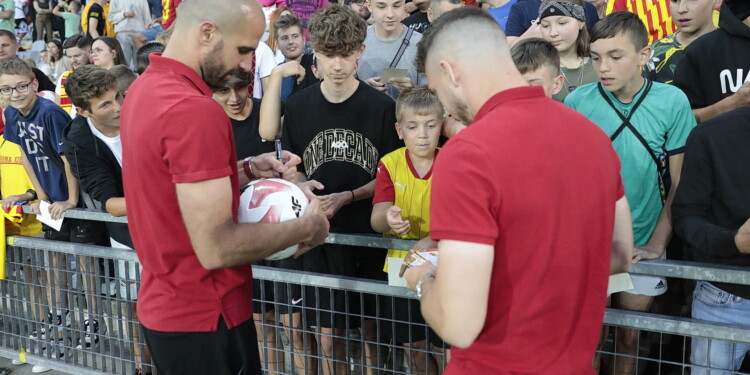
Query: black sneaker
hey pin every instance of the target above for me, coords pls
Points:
(48, 325)
(92, 331)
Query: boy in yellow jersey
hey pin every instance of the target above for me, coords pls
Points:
(401, 207)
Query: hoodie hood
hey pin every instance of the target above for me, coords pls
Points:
(729, 21)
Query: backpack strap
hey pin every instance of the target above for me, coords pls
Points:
(402, 48)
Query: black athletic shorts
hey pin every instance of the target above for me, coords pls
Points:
(285, 298)
(337, 308)
(79, 231)
(224, 352)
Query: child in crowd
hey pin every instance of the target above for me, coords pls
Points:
(694, 18)
(401, 207)
(643, 118)
(563, 24)
(539, 63)
(36, 124)
(340, 127)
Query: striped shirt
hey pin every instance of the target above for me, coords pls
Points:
(654, 14)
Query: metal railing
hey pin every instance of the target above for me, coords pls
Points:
(46, 275)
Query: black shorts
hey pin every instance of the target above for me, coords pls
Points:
(285, 298)
(224, 352)
(337, 308)
(402, 321)
(79, 231)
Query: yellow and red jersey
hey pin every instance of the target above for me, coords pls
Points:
(654, 14)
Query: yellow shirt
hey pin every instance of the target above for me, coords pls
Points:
(410, 192)
(14, 181)
(109, 29)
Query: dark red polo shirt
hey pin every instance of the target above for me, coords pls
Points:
(539, 182)
(174, 132)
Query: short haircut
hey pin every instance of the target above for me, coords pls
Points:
(87, 82)
(76, 4)
(621, 22)
(141, 57)
(9, 35)
(420, 100)
(125, 77)
(436, 3)
(115, 45)
(336, 29)
(463, 16)
(240, 79)
(531, 54)
(284, 22)
(14, 66)
(81, 41)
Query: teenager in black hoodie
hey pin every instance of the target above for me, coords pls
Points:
(92, 144)
(715, 73)
(711, 212)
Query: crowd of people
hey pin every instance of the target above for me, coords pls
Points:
(567, 140)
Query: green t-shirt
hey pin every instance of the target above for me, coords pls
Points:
(664, 119)
(9, 23)
(72, 24)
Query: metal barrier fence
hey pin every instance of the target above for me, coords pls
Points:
(92, 286)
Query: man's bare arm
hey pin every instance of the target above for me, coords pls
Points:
(622, 238)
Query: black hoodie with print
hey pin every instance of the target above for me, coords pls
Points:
(717, 64)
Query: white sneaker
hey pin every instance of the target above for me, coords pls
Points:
(16, 362)
(39, 369)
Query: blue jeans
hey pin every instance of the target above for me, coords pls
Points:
(713, 304)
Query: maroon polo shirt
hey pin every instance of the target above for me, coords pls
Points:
(174, 132)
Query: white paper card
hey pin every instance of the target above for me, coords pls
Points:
(389, 73)
(619, 282)
(47, 219)
(394, 267)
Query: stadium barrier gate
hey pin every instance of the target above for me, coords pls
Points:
(86, 281)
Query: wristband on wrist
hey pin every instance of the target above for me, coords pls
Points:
(352, 191)
(421, 281)
(33, 194)
(248, 167)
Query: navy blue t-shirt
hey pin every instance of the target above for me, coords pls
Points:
(42, 127)
(525, 11)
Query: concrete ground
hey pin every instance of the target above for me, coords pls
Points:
(7, 368)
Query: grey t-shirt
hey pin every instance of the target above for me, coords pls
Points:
(379, 54)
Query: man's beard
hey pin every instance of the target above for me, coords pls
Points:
(213, 71)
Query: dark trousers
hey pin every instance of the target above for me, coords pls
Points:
(224, 352)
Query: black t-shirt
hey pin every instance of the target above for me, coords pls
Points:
(247, 140)
(417, 21)
(341, 144)
(44, 82)
(97, 12)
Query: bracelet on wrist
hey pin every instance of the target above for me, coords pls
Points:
(421, 281)
(33, 194)
(247, 167)
(352, 191)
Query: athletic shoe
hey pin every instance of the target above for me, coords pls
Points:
(39, 369)
(92, 330)
(16, 362)
(48, 326)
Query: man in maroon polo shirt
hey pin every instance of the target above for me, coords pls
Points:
(181, 183)
(527, 206)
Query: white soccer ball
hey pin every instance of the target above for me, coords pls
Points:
(272, 201)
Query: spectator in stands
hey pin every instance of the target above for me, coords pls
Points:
(471, 302)
(70, 12)
(125, 77)
(304, 9)
(107, 52)
(244, 114)
(523, 20)
(158, 25)
(265, 61)
(341, 127)
(539, 63)
(562, 24)
(96, 19)
(59, 61)
(404, 212)
(291, 43)
(418, 21)
(43, 23)
(272, 39)
(713, 73)
(44, 64)
(9, 49)
(499, 10)
(129, 17)
(197, 269)
(648, 119)
(390, 44)
(7, 14)
(92, 144)
(653, 13)
(142, 60)
(694, 19)
(78, 50)
(711, 212)
(20, 16)
(361, 7)
(36, 124)
(438, 7)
